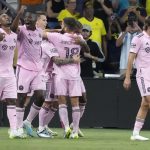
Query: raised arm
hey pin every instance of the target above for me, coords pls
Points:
(15, 22)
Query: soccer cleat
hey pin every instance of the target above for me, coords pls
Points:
(44, 134)
(67, 133)
(53, 133)
(74, 136)
(13, 134)
(27, 126)
(21, 133)
(80, 133)
(138, 138)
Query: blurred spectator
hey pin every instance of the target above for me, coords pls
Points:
(113, 58)
(103, 9)
(13, 4)
(140, 12)
(97, 25)
(124, 40)
(88, 65)
(146, 4)
(53, 9)
(119, 5)
(37, 6)
(69, 11)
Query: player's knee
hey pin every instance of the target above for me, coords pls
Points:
(47, 104)
(145, 105)
(55, 104)
(39, 98)
(11, 101)
(21, 100)
(83, 99)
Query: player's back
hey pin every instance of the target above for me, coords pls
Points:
(66, 49)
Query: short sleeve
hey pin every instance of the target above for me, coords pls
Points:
(135, 44)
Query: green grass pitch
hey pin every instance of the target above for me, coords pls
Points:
(95, 139)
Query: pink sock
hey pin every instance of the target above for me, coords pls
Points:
(11, 114)
(43, 113)
(63, 113)
(34, 110)
(82, 109)
(19, 115)
(50, 116)
(138, 126)
(75, 118)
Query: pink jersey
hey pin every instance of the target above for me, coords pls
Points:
(66, 49)
(29, 55)
(7, 47)
(141, 46)
(48, 51)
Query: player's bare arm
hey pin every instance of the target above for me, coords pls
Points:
(60, 61)
(127, 81)
(15, 22)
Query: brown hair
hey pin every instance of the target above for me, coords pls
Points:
(147, 23)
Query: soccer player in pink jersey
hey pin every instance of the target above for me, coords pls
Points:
(140, 52)
(8, 87)
(49, 55)
(29, 65)
(67, 79)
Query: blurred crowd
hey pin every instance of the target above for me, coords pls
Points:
(108, 27)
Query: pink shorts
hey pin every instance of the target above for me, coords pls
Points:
(50, 95)
(8, 88)
(83, 90)
(65, 87)
(28, 81)
(143, 81)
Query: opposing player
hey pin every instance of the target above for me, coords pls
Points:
(8, 87)
(140, 52)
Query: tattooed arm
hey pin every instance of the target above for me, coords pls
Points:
(60, 61)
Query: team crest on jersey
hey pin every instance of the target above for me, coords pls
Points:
(4, 47)
(30, 41)
(21, 87)
(147, 49)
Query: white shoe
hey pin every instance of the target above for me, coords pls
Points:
(80, 133)
(21, 133)
(44, 134)
(28, 127)
(139, 138)
(74, 136)
(13, 134)
(67, 133)
(53, 133)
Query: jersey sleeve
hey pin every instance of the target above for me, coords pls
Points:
(135, 44)
(51, 51)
